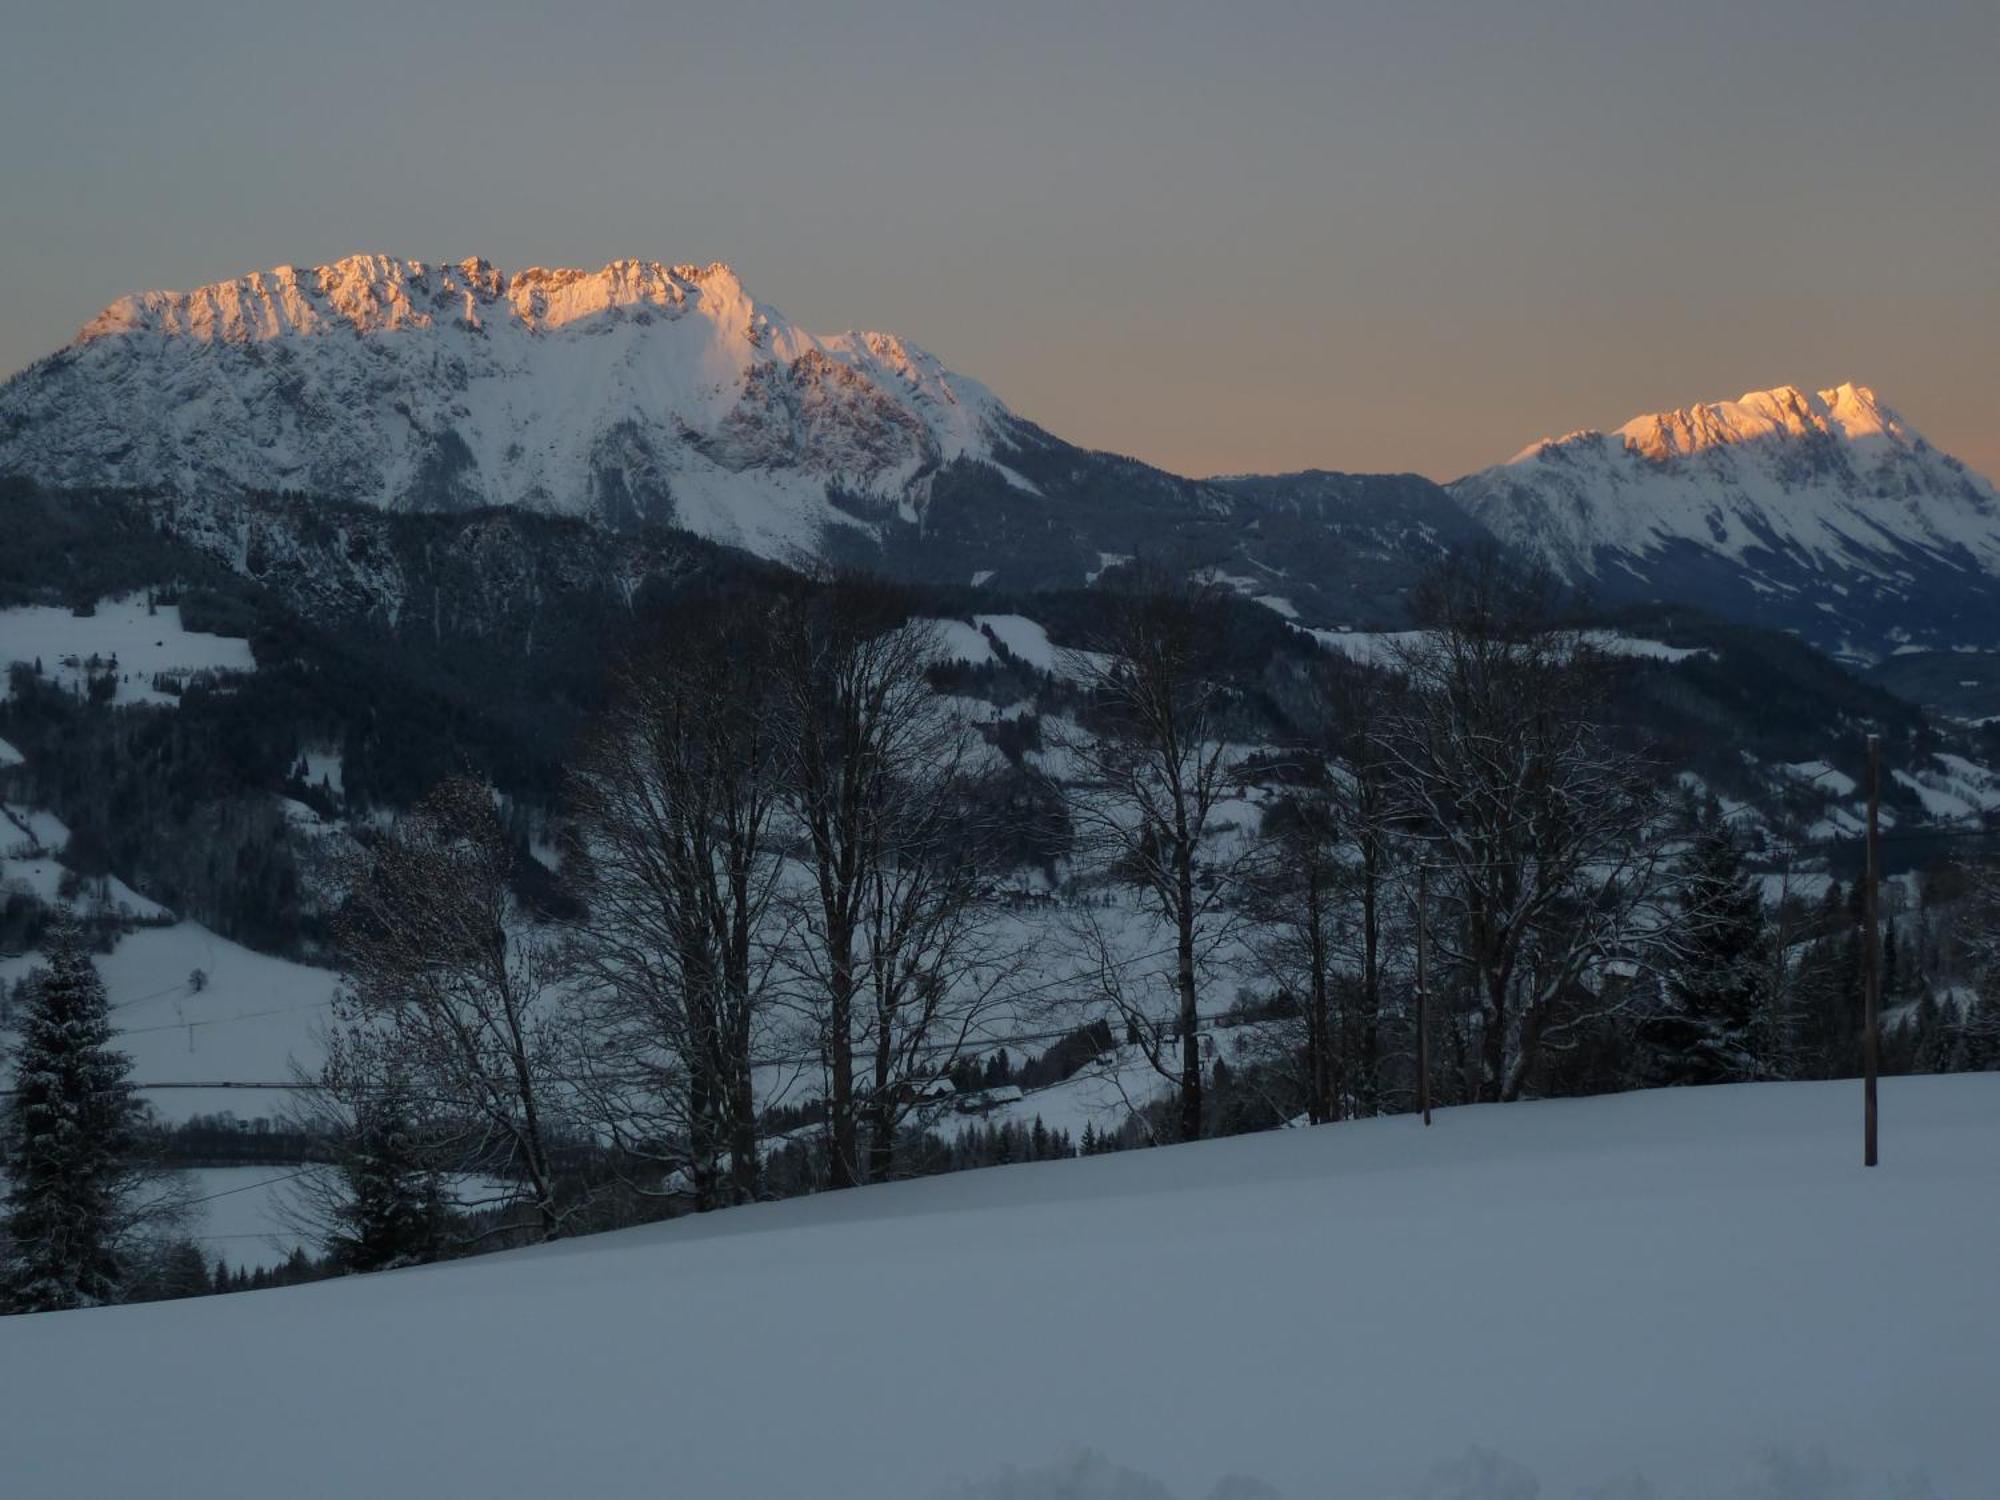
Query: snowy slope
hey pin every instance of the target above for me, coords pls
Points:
(242, 1218)
(1827, 513)
(123, 638)
(643, 392)
(639, 391)
(250, 1018)
(1663, 1284)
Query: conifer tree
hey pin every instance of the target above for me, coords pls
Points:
(395, 1215)
(1715, 991)
(70, 1126)
(1979, 1047)
(1939, 1030)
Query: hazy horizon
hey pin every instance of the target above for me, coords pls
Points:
(1281, 238)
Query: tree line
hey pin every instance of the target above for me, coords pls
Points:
(787, 928)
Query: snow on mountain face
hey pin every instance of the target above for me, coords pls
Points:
(1825, 513)
(636, 392)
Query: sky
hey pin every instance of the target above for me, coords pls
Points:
(1222, 238)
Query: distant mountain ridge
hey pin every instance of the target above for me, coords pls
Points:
(645, 393)
(1825, 513)
(638, 392)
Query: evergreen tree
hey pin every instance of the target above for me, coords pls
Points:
(1939, 1030)
(1706, 1031)
(70, 1122)
(395, 1214)
(1979, 1047)
(177, 1270)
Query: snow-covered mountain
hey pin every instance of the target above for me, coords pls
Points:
(646, 392)
(1824, 513)
(639, 391)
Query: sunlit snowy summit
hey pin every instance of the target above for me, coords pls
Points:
(651, 394)
(1767, 508)
(640, 391)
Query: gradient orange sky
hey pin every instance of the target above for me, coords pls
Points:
(1222, 238)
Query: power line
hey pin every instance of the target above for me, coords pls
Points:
(248, 1187)
(249, 1015)
(172, 989)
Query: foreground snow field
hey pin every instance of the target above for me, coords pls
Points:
(1693, 1286)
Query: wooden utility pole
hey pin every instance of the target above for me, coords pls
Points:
(1871, 1026)
(1423, 996)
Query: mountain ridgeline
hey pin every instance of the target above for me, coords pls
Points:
(645, 397)
(1826, 514)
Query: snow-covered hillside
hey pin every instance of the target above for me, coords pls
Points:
(142, 648)
(191, 1007)
(1702, 1287)
(639, 391)
(1826, 513)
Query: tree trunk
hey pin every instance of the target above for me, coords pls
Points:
(1320, 1025)
(541, 1175)
(881, 1109)
(742, 1128)
(741, 1105)
(1367, 1085)
(701, 1126)
(1493, 1042)
(842, 1133)
(1532, 1021)
(1190, 1018)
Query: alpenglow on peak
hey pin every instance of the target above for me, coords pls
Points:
(1751, 507)
(642, 391)
(379, 293)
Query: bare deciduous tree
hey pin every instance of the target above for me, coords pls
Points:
(675, 792)
(1326, 924)
(895, 957)
(450, 987)
(1543, 840)
(936, 961)
(1151, 780)
(1299, 910)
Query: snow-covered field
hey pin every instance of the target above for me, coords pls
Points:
(1380, 648)
(30, 840)
(1026, 641)
(144, 644)
(242, 1217)
(246, 1019)
(1703, 1287)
